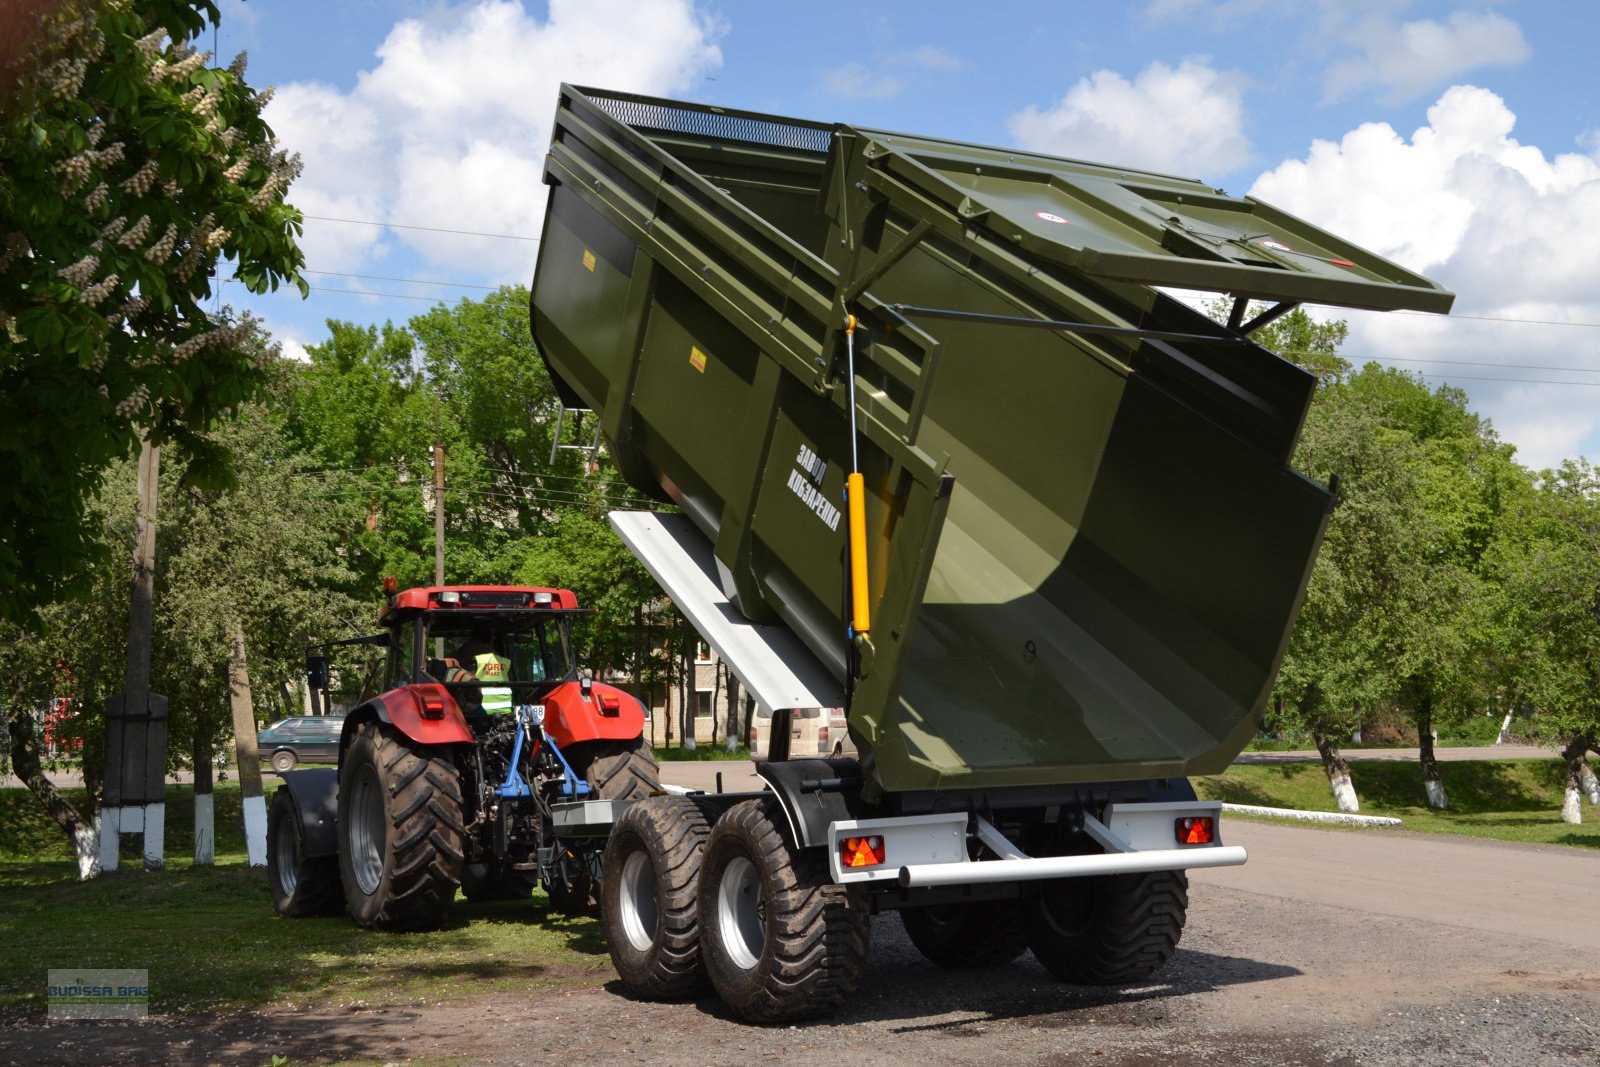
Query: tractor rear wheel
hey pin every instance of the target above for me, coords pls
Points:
(651, 875)
(1108, 929)
(781, 941)
(400, 830)
(299, 886)
(981, 934)
(614, 770)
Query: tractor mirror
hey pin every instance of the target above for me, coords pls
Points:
(317, 671)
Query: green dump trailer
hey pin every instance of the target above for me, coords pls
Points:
(1066, 574)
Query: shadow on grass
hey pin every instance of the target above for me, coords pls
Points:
(210, 939)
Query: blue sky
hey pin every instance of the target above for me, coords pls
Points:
(1462, 139)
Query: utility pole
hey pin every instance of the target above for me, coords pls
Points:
(136, 718)
(438, 497)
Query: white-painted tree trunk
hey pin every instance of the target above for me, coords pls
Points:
(1572, 806)
(155, 836)
(1344, 792)
(1589, 783)
(205, 840)
(255, 831)
(1436, 796)
(86, 839)
(110, 838)
(1505, 730)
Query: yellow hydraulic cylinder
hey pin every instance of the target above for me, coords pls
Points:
(856, 498)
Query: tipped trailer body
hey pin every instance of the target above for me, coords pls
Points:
(947, 454)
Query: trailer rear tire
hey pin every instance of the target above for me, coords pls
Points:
(650, 889)
(400, 831)
(300, 887)
(1109, 929)
(965, 935)
(780, 941)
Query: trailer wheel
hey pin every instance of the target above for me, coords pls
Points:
(300, 887)
(780, 941)
(1109, 929)
(963, 935)
(614, 770)
(650, 882)
(400, 831)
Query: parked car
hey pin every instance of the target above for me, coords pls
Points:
(301, 738)
(812, 732)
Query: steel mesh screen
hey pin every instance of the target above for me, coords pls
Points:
(650, 116)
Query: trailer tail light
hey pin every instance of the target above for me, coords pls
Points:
(862, 851)
(432, 708)
(1196, 830)
(610, 706)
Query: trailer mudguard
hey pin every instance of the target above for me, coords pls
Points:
(607, 713)
(316, 802)
(814, 793)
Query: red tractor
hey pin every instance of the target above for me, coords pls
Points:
(487, 764)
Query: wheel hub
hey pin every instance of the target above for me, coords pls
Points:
(741, 913)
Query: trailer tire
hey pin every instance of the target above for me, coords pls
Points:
(780, 940)
(400, 830)
(967, 934)
(650, 888)
(1109, 929)
(300, 887)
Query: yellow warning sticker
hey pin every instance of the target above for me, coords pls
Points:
(588, 260)
(697, 359)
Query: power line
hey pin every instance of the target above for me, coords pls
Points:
(385, 296)
(407, 281)
(429, 229)
(1498, 318)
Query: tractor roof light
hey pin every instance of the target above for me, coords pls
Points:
(543, 599)
(862, 851)
(450, 596)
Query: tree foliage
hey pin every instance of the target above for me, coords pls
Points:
(130, 166)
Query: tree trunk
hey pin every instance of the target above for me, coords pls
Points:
(1571, 802)
(205, 850)
(1432, 783)
(735, 739)
(81, 832)
(1333, 761)
(1590, 784)
(244, 744)
(689, 689)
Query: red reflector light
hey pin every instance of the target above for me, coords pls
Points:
(432, 708)
(862, 851)
(1197, 830)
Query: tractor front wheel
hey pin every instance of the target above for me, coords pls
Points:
(400, 830)
(299, 886)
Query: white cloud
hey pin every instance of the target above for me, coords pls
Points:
(1401, 60)
(450, 128)
(1505, 226)
(1188, 119)
(890, 73)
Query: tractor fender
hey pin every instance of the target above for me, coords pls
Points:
(607, 713)
(411, 710)
(316, 802)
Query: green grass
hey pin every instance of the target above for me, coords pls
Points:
(210, 938)
(1508, 800)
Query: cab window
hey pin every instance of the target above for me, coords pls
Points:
(402, 655)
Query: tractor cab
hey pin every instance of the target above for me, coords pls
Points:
(493, 648)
